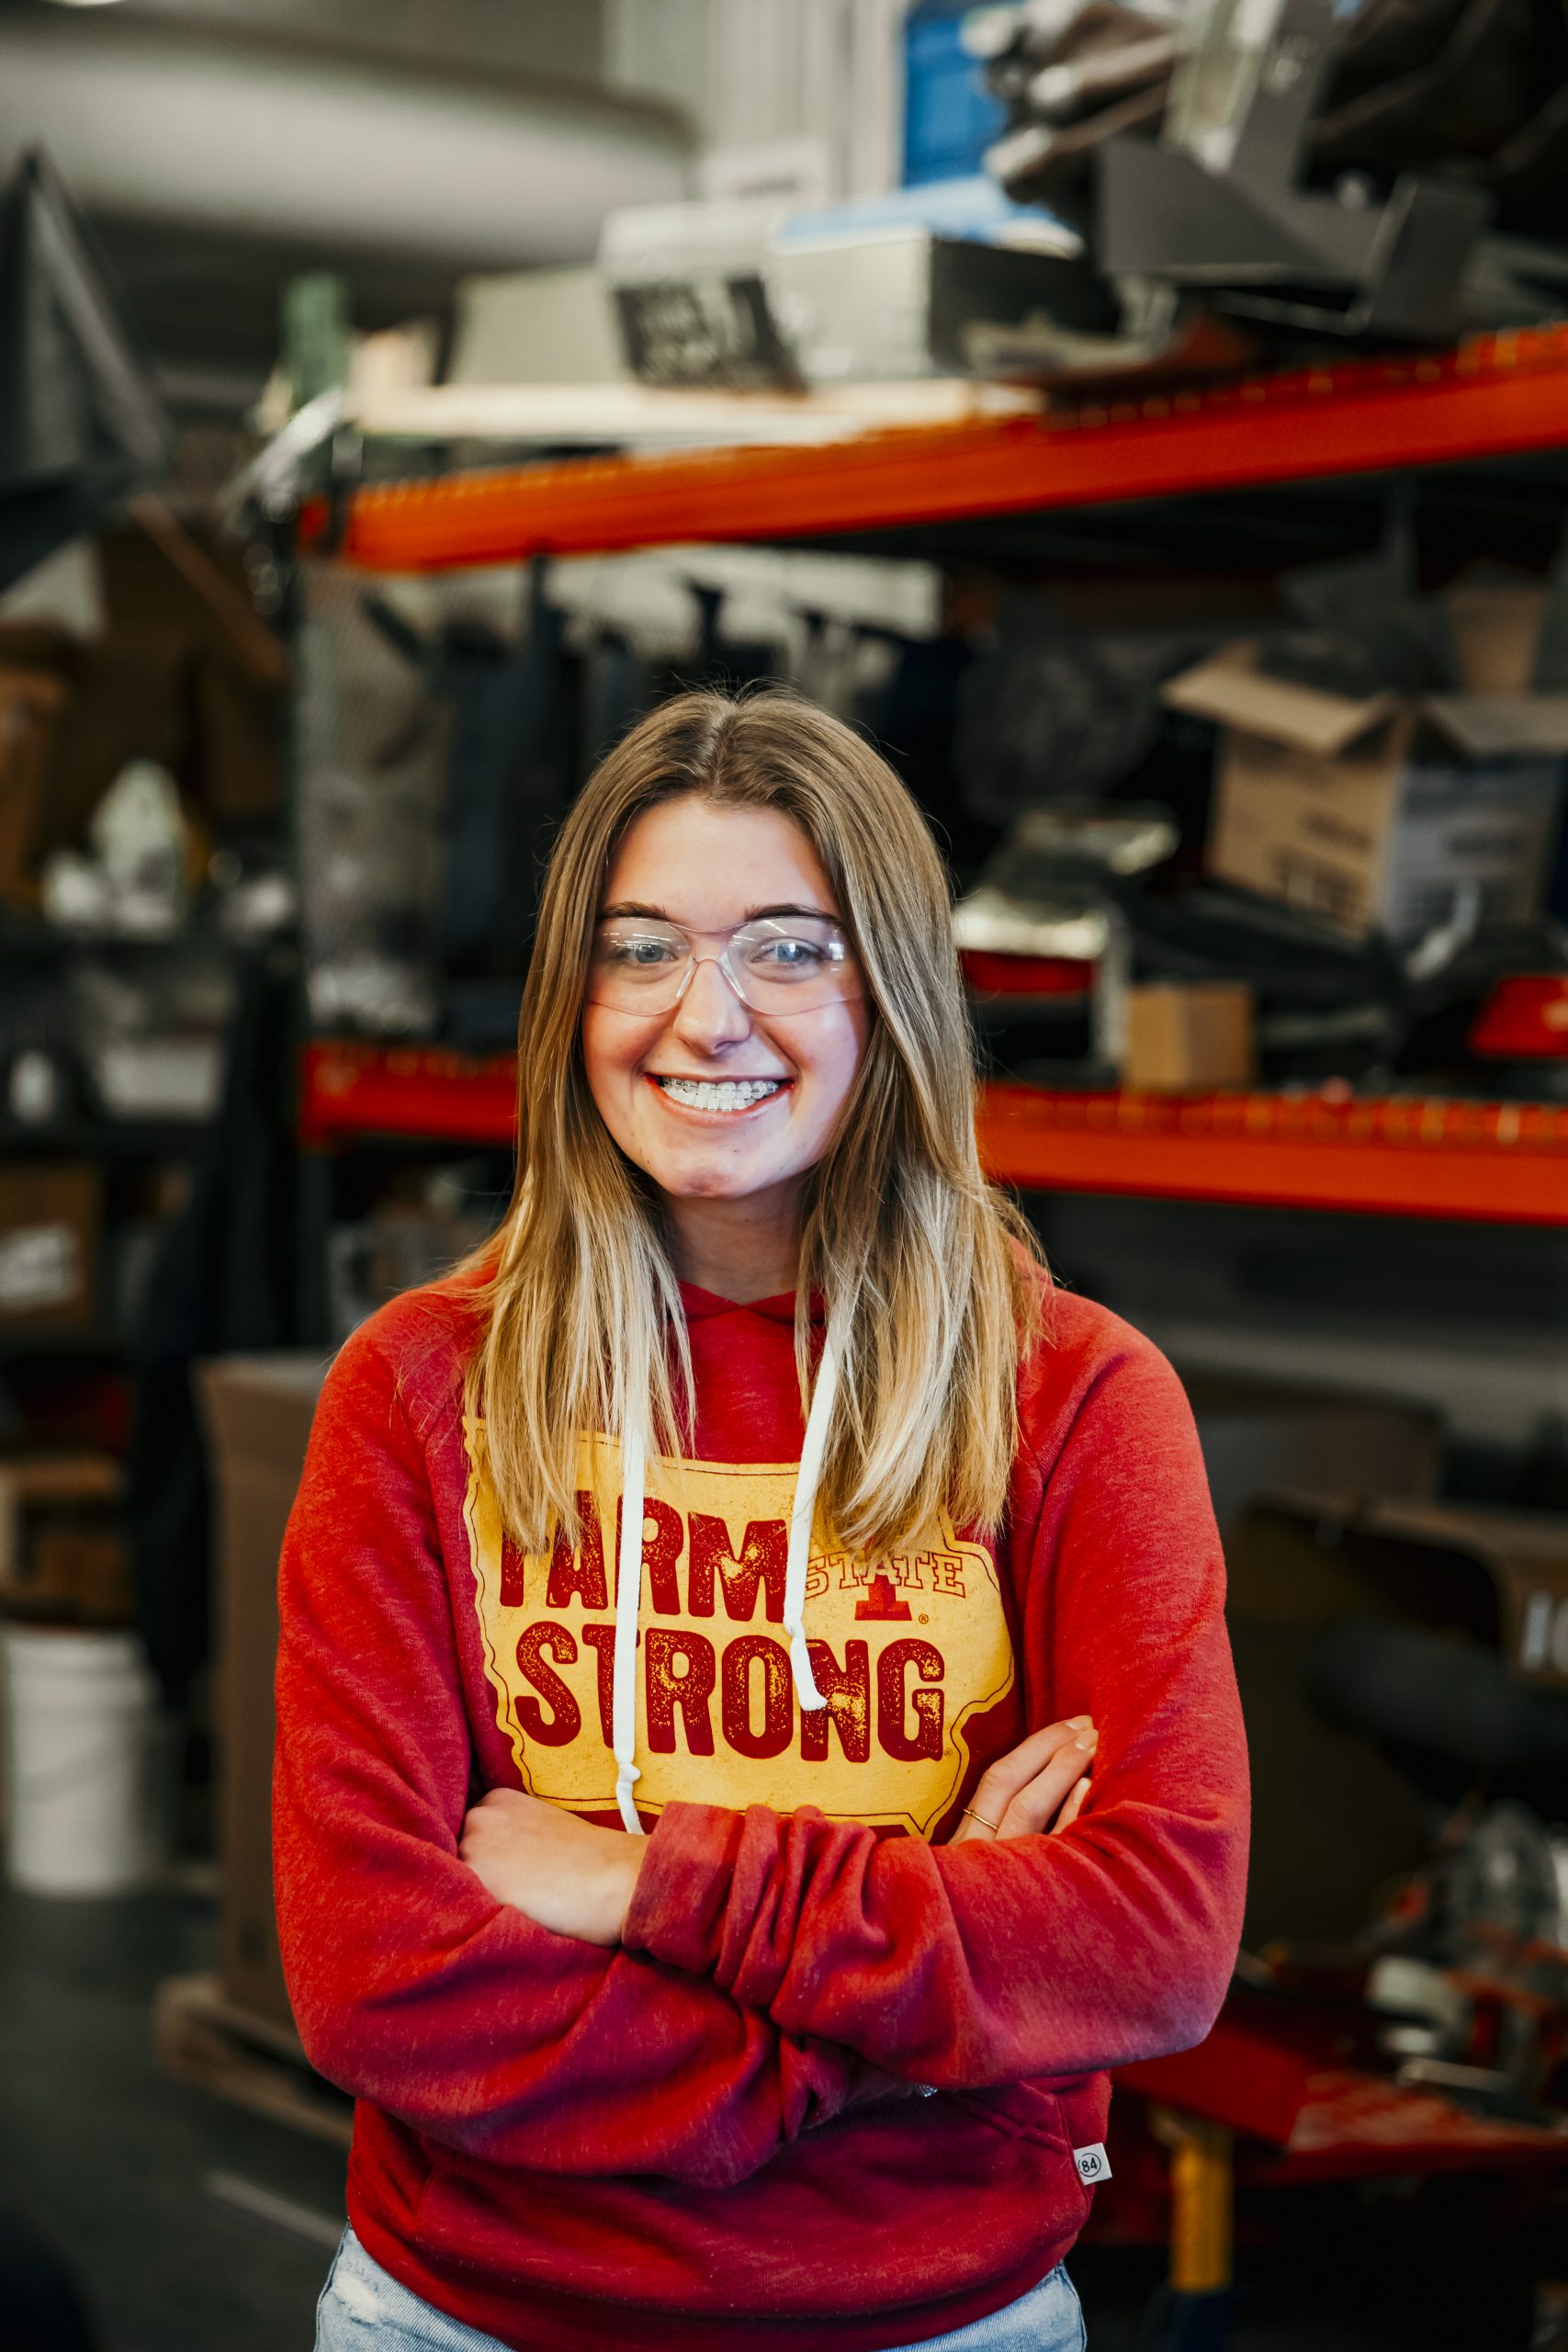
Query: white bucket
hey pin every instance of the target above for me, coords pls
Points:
(80, 1720)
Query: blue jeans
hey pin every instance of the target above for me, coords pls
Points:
(363, 2308)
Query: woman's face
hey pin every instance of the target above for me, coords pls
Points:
(709, 868)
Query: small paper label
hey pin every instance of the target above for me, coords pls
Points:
(1093, 2163)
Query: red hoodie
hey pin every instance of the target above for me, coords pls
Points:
(715, 2137)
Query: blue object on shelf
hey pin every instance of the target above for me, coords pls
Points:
(975, 208)
(950, 116)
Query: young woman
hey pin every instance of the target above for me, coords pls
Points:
(695, 1612)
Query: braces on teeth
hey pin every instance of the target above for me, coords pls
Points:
(720, 1094)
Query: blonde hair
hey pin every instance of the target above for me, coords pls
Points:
(929, 1278)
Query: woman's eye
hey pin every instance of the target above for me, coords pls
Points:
(788, 954)
(642, 954)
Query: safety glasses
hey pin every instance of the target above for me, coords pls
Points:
(775, 964)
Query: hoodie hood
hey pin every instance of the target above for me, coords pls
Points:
(702, 1306)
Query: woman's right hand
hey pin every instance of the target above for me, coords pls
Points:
(1039, 1785)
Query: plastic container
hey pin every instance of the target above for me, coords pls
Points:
(81, 1729)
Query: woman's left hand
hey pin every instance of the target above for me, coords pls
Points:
(559, 1872)
(1041, 1785)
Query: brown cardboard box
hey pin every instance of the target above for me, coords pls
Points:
(1375, 814)
(231, 712)
(1181, 1036)
(258, 1411)
(62, 1553)
(241, 734)
(51, 1214)
(80, 1576)
(31, 703)
(172, 679)
(1494, 619)
(132, 701)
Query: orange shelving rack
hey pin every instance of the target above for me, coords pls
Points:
(1495, 396)
(1389, 1155)
(348, 1090)
(1502, 1162)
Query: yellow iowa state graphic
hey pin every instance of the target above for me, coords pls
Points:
(907, 1650)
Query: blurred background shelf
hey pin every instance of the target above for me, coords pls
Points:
(105, 1138)
(349, 1090)
(1503, 1162)
(1495, 396)
(1389, 1156)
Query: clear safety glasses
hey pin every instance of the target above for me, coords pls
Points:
(774, 963)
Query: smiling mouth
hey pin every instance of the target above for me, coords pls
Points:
(720, 1093)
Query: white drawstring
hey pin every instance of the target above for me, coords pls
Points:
(628, 1577)
(628, 1608)
(810, 1479)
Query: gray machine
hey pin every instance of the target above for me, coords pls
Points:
(1217, 205)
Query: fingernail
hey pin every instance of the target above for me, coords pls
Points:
(1087, 1739)
(1077, 1722)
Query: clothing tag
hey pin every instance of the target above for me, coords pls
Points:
(1093, 2163)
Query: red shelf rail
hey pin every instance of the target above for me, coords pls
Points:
(1497, 395)
(349, 1090)
(1497, 1162)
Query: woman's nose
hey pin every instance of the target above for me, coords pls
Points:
(710, 1013)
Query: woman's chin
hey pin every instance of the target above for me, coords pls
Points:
(696, 1176)
(687, 1183)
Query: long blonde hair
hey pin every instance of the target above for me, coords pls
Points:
(927, 1277)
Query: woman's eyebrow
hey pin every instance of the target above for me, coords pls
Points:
(753, 914)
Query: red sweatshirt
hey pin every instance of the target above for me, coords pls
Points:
(828, 2091)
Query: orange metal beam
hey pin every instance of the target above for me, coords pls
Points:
(1504, 1162)
(1498, 1162)
(350, 1090)
(1495, 396)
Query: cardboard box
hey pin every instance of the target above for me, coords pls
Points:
(80, 1576)
(131, 700)
(258, 1411)
(1181, 1037)
(31, 705)
(733, 292)
(1494, 620)
(1378, 814)
(62, 1551)
(241, 726)
(534, 326)
(51, 1217)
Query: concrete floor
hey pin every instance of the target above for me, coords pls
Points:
(116, 2163)
(135, 2179)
